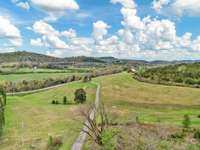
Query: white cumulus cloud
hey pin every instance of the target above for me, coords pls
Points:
(55, 8)
(10, 31)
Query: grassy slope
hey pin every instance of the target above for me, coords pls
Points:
(31, 118)
(127, 98)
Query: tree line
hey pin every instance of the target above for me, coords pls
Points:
(181, 74)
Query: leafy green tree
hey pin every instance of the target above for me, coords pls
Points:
(65, 100)
(2, 119)
(3, 94)
(80, 96)
(186, 121)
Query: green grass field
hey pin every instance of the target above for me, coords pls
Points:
(126, 98)
(31, 118)
(33, 76)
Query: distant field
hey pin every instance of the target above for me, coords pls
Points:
(33, 76)
(126, 98)
(31, 118)
(43, 70)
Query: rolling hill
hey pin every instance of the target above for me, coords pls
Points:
(24, 56)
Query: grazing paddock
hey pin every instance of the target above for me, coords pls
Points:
(126, 99)
(30, 119)
(34, 76)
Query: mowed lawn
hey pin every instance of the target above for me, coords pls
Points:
(34, 76)
(125, 99)
(30, 119)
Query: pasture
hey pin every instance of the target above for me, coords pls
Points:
(126, 99)
(30, 119)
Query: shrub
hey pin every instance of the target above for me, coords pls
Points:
(108, 140)
(178, 80)
(186, 121)
(64, 100)
(197, 134)
(80, 96)
(54, 142)
(53, 102)
(177, 135)
(137, 119)
(57, 102)
(190, 81)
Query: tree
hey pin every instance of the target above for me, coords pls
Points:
(3, 94)
(2, 119)
(65, 100)
(2, 105)
(80, 96)
(186, 121)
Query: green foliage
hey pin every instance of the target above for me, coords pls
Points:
(137, 119)
(178, 135)
(87, 78)
(3, 94)
(108, 139)
(53, 102)
(197, 135)
(2, 106)
(188, 74)
(65, 100)
(54, 143)
(80, 96)
(186, 121)
(2, 117)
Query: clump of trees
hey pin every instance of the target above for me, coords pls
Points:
(80, 96)
(37, 84)
(181, 74)
(87, 78)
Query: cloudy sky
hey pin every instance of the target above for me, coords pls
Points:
(137, 29)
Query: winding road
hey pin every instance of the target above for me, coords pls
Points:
(78, 144)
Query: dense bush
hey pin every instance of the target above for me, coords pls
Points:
(65, 100)
(197, 134)
(38, 84)
(54, 142)
(2, 108)
(182, 74)
(186, 121)
(80, 96)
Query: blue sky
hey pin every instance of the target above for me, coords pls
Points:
(117, 28)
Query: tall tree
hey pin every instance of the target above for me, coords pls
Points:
(2, 106)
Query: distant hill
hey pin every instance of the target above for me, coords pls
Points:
(80, 59)
(26, 56)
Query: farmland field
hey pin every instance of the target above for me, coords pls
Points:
(147, 116)
(127, 98)
(30, 119)
(34, 76)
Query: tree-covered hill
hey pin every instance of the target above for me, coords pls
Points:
(25, 56)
